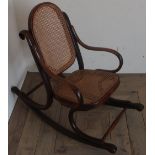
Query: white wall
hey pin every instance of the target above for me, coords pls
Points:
(118, 24)
(17, 59)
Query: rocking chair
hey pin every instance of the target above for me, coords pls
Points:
(54, 46)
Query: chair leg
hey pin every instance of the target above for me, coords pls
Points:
(124, 104)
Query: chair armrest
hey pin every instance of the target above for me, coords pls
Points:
(118, 55)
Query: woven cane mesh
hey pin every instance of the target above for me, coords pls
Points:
(94, 85)
(53, 38)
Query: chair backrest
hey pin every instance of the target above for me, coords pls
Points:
(52, 37)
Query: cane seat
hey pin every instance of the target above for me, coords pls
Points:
(95, 86)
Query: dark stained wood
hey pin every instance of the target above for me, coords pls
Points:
(142, 99)
(132, 82)
(28, 135)
(19, 115)
(136, 128)
(87, 122)
(136, 84)
(31, 131)
(47, 138)
(119, 135)
(29, 138)
(33, 128)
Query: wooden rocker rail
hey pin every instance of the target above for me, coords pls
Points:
(76, 134)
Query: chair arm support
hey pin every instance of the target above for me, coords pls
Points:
(118, 55)
(76, 91)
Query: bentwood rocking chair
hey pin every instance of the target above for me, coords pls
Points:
(54, 46)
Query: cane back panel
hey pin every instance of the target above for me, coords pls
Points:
(50, 32)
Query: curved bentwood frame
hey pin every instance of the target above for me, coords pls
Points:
(76, 134)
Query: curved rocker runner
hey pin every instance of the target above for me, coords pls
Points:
(54, 45)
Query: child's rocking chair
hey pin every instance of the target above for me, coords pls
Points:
(54, 45)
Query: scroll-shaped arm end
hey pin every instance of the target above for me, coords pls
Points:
(23, 34)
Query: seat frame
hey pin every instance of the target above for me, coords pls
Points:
(76, 134)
